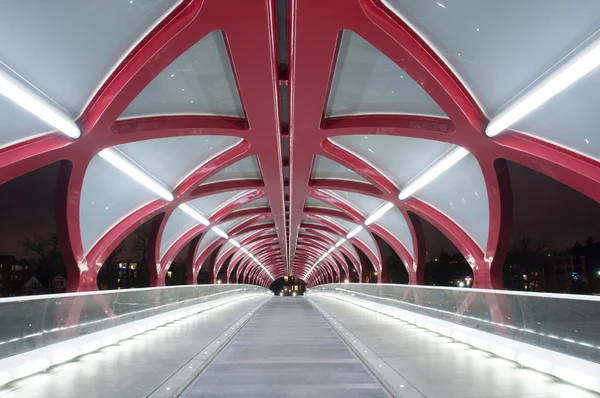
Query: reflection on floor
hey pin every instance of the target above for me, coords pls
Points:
(286, 350)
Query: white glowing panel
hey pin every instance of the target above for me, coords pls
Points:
(570, 119)
(327, 168)
(199, 82)
(170, 160)
(368, 82)
(308, 221)
(362, 236)
(364, 203)
(400, 159)
(366, 238)
(207, 205)
(258, 203)
(245, 169)
(347, 226)
(394, 222)
(460, 193)
(107, 197)
(87, 41)
(223, 249)
(316, 203)
(16, 124)
(228, 226)
(480, 46)
(205, 241)
(178, 224)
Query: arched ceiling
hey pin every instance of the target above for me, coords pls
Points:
(281, 137)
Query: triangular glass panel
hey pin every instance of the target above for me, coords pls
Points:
(368, 82)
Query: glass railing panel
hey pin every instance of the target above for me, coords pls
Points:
(33, 322)
(569, 324)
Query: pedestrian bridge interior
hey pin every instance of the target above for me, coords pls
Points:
(285, 138)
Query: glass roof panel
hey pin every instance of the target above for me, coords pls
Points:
(170, 160)
(394, 222)
(460, 193)
(177, 224)
(570, 119)
(327, 168)
(87, 40)
(498, 48)
(208, 205)
(364, 203)
(199, 82)
(398, 158)
(102, 207)
(245, 169)
(367, 82)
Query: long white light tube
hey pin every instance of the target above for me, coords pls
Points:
(356, 230)
(29, 100)
(573, 70)
(378, 213)
(118, 160)
(430, 174)
(194, 213)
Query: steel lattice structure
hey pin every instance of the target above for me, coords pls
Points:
(220, 149)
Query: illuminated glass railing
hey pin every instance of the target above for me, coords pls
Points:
(37, 331)
(568, 324)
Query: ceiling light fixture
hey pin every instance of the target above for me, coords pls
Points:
(194, 213)
(121, 162)
(235, 243)
(340, 242)
(31, 101)
(378, 213)
(355, 231)
(220, 232)
(440, 166)
(573, 70)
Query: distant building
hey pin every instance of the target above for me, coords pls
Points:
(126, 275)
(59, 284)
(292, 286)
(33, 286)
(13, 274)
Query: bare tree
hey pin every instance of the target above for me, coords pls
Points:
(45, 250)
(140, 243)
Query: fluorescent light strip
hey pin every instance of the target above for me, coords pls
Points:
(573, 70)
(121, 162)
(194, 213)
(378, 213)
(29, 100)
(220, 232)
(430, 174)
(323, 256)
(340, 242)
(245, 251)
(355, 231)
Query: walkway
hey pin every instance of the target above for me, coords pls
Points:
(425, 364)
(286, 350)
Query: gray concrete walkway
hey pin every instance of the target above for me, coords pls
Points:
(286, 350)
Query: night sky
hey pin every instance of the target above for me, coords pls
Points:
(543, 208)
